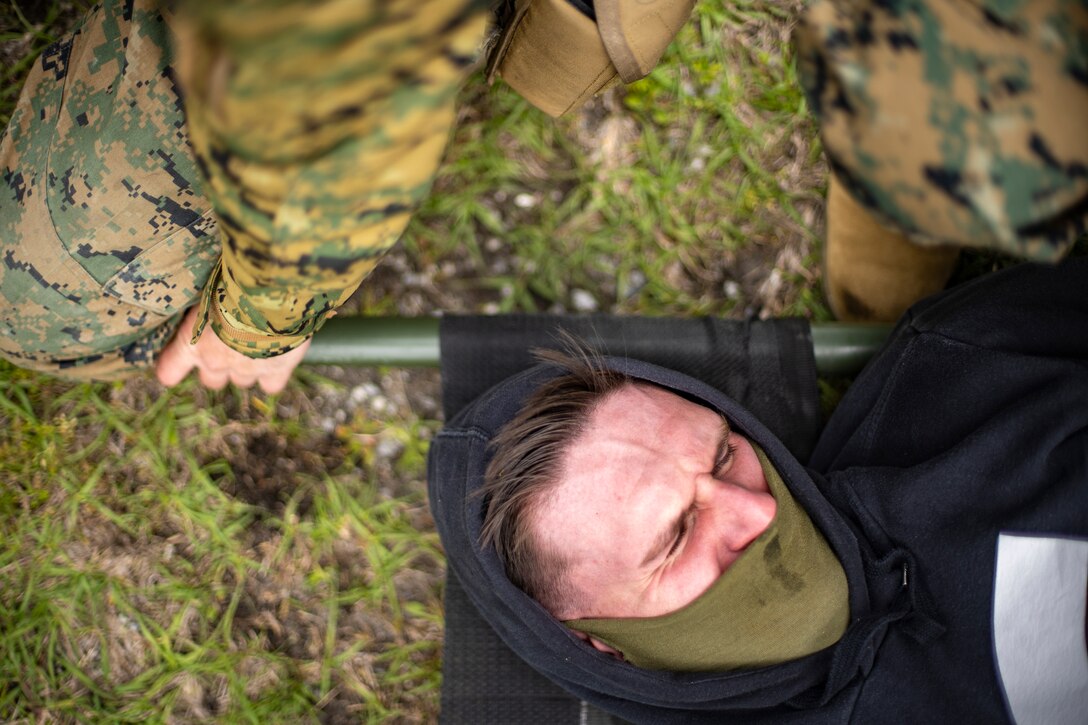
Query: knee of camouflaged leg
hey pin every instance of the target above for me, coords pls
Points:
(961, 123)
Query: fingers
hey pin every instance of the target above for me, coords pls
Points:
(218, 365)
(175, 362)
(217, 379)
(277, 373)
(213, 379)
(273, 384)
(240, 380)
(177, 358)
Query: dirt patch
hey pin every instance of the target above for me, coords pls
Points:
(267, 466)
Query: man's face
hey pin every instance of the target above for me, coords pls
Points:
(655, 500)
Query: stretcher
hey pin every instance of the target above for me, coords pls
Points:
(769, 366)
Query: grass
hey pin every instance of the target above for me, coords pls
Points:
(680, 195)
(133, 586)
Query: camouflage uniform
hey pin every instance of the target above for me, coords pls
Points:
(960, 122)
(315, 129)
(105, 234)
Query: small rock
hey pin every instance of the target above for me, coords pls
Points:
(388, 448)
(428, 406)
(525, 201)
(360, 393)
(582, 300)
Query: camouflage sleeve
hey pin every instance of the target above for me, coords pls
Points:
(960, 122)
(318, 127)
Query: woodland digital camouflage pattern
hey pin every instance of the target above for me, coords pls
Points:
(962, 122)
(105, 236)
(319, 127)
(316, 129)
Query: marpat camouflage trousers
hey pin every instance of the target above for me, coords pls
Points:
(960, 122)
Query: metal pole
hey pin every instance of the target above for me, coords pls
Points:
(397, 341)
(841, 349)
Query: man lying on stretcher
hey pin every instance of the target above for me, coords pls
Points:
(643, 541)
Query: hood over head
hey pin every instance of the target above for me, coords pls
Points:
(458, 458)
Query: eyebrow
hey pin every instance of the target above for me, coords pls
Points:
(664, 539)
(669, 533)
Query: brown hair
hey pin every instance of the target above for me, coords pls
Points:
(527, 463)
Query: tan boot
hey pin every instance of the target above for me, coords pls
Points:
(873, 273)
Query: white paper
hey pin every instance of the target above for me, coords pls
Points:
(1040, 594)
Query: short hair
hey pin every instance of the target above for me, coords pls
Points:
(526, 466)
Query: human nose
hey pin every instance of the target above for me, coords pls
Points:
(735, 516)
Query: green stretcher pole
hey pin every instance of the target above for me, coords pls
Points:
(841, 349)
(396, 341)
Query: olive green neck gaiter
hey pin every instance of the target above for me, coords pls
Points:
(784, 598)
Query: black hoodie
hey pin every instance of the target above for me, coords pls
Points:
(972, 422)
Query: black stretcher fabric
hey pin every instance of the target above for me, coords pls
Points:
(768, 365)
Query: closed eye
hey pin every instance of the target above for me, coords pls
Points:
(725, 457)
(681, 531)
